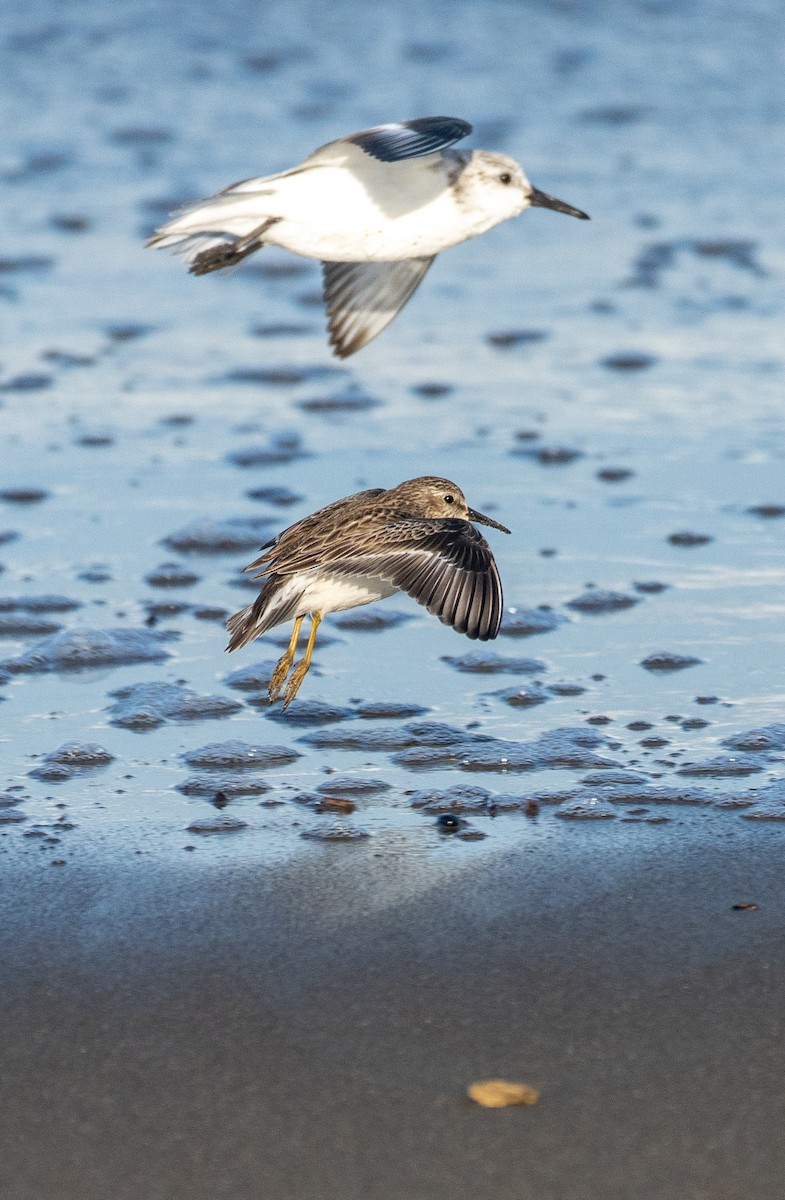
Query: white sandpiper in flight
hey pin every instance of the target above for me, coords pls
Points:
(375, 207)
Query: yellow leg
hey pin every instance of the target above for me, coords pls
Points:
(301, 670)
(284, 663)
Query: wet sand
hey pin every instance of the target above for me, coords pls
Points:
(309, 1029)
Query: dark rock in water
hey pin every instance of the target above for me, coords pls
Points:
(52, 773)
(10, 816)
(613, 778)
(669, 662)
(461, 798)
(38, 604)
(723, 767)
(371, 620)
(437, 733)
(281, 450)
(17, 625)
(651, 587)
(27, 383)
(350, 399)
(308, 712)
(359, 738)
(210, 612)
(485, 662)
(23, 495)
(69, 760)
(143, 706)
(736, 252)
(687, 539)
(254, 678)
(560, 748)
(628, 362)
(98, 573)
(565, 689)
(583, 808)
(228, 785)
(526, 696)
(281, 330)
(768, 737)
(81, 754)
(527, 622)
(281, 497)
(767, 511)
(510, 339)
(8, 535)
(548, 456)
(614, 474)
(220, 537)
(432, 391)
(84, 648)
(336, 831)
(220, 823)
(164, 610)
(10, 799)
(450, 822)
(352, 785)
(614, 114)
(597, 601)
(286, 376)
(236, 755)
(171, 575)
(387, 710)
(69, 223)
(28, 262)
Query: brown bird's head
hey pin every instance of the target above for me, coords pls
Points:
(430, 496)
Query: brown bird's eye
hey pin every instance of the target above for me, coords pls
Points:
(505, 177)
(449, 499)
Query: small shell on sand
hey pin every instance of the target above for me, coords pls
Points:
(499, 1093)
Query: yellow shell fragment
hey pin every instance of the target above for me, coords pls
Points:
(498, 1093)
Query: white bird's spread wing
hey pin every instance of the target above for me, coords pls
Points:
(362, 298)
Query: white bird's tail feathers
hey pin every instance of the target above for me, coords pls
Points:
(216, 233)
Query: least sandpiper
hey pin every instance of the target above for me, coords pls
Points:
(415, 538)
(375, 207)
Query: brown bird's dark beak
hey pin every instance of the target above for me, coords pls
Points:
(481, 520)
(538, 199)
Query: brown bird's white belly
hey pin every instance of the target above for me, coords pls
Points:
(323, 593)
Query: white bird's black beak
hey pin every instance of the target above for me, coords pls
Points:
(481, 520)
(538, 199)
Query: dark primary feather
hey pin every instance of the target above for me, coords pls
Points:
(445, 565)
(411, 139)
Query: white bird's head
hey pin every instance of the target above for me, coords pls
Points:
(498, 185)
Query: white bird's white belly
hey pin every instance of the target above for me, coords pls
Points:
(383, 213)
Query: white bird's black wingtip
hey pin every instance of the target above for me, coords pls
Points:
(411, 139)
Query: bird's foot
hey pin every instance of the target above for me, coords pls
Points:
(295, 679)
(278, 676)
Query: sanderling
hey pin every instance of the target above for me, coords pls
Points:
(375, 207)
(414, 538)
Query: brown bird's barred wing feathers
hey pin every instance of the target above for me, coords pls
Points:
(306, 544)
(445, 565)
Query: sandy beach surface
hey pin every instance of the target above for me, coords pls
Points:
(309, 1029)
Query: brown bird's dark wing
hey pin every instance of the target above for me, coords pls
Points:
(445, 565)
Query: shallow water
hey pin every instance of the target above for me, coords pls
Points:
(612, 391)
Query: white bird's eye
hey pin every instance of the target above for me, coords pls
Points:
(449, 499)
(505, 177)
